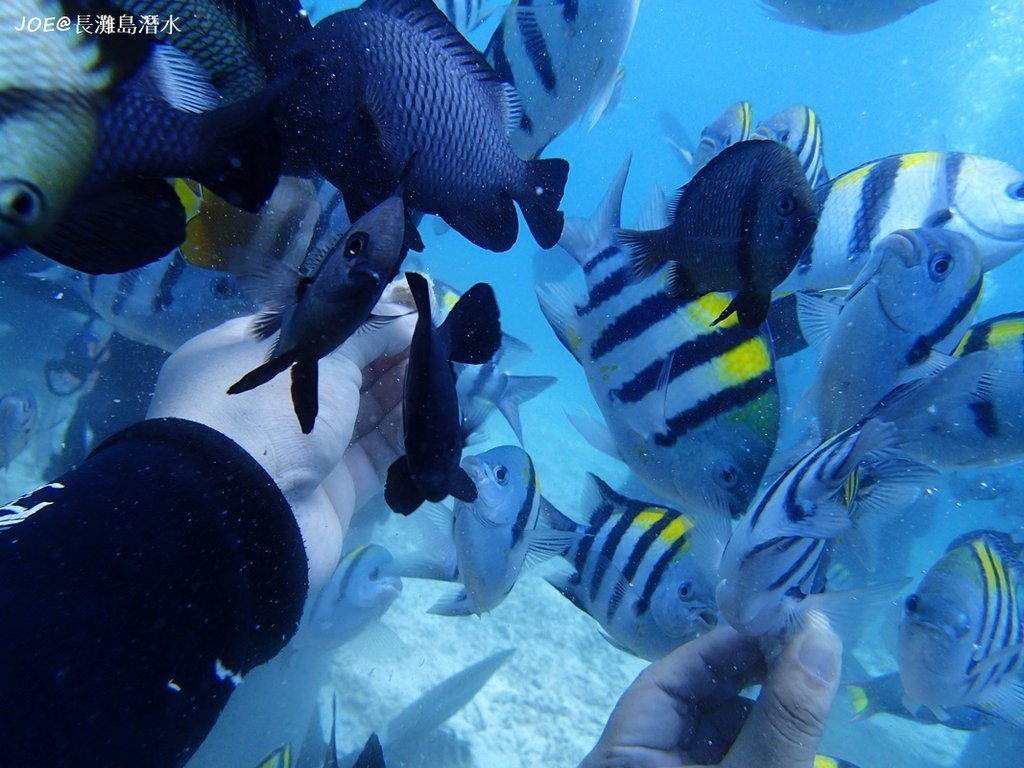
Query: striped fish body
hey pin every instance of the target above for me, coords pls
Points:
(693, 409)
(771, 565)
(389, 91)
(961, 639)
(971, 414)
(985, 198)
(638, 572)
(799, 128)
(730, 127)
(917, 296)
(163, 304)
(493, 533)
(562, 58)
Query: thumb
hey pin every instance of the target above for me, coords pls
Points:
(786, 723)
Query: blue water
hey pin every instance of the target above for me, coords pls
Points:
(948, 77)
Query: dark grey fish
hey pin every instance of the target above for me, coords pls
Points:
(315, 314)
(739, 225)
(378, 84)
(429, 470)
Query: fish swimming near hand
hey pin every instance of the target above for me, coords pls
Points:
(373, 86)
(471, 333)
(313, 315)
(563, 59)
(910, 307)
(644, 571)
(977, 196)
(18, 415)
(693, 409)
(961, 640)
(738, 225)
(799, 128)
(841, 17)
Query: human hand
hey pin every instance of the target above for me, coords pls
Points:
(685, 709)
(325, 475)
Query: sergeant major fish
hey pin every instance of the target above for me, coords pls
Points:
(979, 197)
(799, 128)
(471, 333)
(692, 409)
(563, 59)
(374, 86)
(314, 314)
(915, 298)
(644, 571)
(961, 640)
(18, 415)
(739, 225)
(730, 127)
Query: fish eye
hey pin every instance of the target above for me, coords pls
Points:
(786, 205)
(685, 590)
(375, 574)
(940, 265)
(20, 201)
(220, 287)
(727, 475)
(501, 475)
(1016, 190)
(784, 137)
(356, 244)
(912, 603)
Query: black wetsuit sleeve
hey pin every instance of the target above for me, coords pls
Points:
(134, 591)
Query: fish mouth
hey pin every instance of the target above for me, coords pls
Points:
(708, 617)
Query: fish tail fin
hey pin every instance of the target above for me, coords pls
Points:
(240, 155)
(305, 393)
(545, 184)
(646, 250)
(400, 491)
(473, 326)
(260, 375)
(519, 390)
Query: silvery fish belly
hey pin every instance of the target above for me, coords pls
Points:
(692, 409)
(770, 570)
(984, 196)
(914, 299)
(961, 641)
(563, 58)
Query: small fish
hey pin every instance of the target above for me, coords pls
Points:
(314, 314)
(885, 695)
(977, 196)
(642, 570)
(961, 640)
(799, 128)
(563, 59)
(730, 127)
(392, 79)
(773, 566)
(691, 408)
(910, 306)
(359, 592)
(18, 415)
(495, 537)
(54, 89)
(841, 17)
(738, 225)
(471, 333)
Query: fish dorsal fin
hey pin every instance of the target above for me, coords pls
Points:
(473, 326)
(181, 81)
(817, 317)
(583, 239)
(655, 213)
(597, 494)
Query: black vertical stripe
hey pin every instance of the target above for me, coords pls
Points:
(924, 343)
(164, 296)
(536, 47)
(875, 195)
(644, 542)
(720, 402)
(658, 572)
(611, 544)
(607, 253)
(523, 518)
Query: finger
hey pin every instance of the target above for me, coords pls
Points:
(712, 668)
(787, 721)
(717, 730)
(379, 340)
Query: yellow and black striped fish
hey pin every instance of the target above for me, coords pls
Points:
(961, 640)
(692, 409)
(984, 198)
(642, 570)
(799, 128)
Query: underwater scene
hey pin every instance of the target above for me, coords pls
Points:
(652, 322)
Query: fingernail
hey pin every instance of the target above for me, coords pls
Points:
(819, 653)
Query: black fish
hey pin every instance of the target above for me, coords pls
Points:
(739, 225)
(315, 314)
(429, 470)
(375, 85)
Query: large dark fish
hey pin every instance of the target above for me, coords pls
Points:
(375, 85)
(315, 314)
(739, 225)
(429, 470)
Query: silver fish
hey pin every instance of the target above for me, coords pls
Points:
(841, 17)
